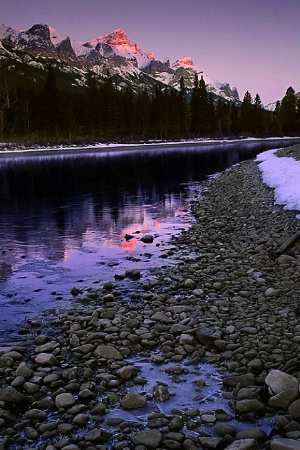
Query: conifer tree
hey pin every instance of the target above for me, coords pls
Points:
(257, 114)
(288, 111)
(246, 118)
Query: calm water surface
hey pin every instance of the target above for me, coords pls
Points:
(65, 219)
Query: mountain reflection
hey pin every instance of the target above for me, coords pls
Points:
(53, 205)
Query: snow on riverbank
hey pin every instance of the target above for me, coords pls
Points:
(10, 148)
(282, 174)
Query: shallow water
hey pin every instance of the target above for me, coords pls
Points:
(78, 218)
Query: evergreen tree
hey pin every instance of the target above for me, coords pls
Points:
(194, 107)
(288, 112)
(246, 117)
(50, 95)
(7, 99)
(257, 114)
(183, 110)
(203, 107)
(199, 107)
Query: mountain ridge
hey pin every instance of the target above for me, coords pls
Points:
(110, 53)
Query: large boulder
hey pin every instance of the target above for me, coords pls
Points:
(278, 381)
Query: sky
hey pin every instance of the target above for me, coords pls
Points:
(253, 45)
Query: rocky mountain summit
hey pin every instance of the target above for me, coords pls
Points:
(29, 53)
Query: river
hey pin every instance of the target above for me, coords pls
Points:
(77, 218)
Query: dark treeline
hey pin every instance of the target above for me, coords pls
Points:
(103, 111)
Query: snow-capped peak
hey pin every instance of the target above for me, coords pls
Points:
(118, 39)
(150, 55)
(55, 36)
(184, 62)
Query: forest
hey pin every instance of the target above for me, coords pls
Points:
(104, 112)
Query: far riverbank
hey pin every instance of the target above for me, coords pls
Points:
(10, 149)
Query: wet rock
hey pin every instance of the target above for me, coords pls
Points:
(285, 260)
(244, 444)
(294, 409)
(224, 429)
(11, 395)
(188, 444)
(252, 433)
(249, 406)
(172, 444)
(147, 239)
(283, 399)
(36, 414)
(107, 352)
(161, 392)
(98, 436)
(210, 442)
(250, 392)
(177, 423)
(239, 380)
(160, 316)
(271, 292)
(189, 283)
(64, 400)
(24, 371)
(148, 438)
(134, 274)
(284, 444)
(186, 339)
(133, 401)
(208, 335)
(126, 372)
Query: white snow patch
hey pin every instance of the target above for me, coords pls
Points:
(282, 174)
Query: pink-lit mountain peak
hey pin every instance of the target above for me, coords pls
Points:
(184, 62)
(118, 38)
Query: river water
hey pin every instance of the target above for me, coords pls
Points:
(77, 218)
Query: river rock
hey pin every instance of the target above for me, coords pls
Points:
(98, 436)
(133, 401)
(249, 406)
(161, 392)
(126, 372)
(285, 259)
(283, 399)
(147, 239)
(148, 438)
(284, 444)
(189, 283)
(271, 292)
(244, 444)
(11, 395)
(278, 381)
(239, 380)
(23, 370)
(294, 409)
(134, 274)
(46, 359)
(107, 352)
(208, 335)
(176, 424)
(210, 442)
(64, 400)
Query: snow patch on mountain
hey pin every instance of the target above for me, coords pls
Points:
(113, 52)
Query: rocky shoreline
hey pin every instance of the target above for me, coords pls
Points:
(232, 301)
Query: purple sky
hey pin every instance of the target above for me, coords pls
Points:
(252, 44)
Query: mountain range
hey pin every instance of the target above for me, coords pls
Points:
(29, 53)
